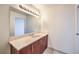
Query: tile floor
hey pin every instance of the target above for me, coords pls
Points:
(51, 51)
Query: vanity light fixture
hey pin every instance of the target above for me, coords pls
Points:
(28, 10)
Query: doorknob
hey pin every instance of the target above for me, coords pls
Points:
(77, 34)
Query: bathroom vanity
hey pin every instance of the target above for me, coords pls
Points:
(30, 44)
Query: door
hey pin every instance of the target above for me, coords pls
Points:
(17, 24)
(77, 31)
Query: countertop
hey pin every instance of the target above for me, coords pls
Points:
(21, 42)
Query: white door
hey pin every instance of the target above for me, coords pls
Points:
(17, 23)
(77, 31)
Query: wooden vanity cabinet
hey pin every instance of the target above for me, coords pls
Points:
(26, 50)
(39, 46)
(36, 47)
(43, 43)
(46, 42)
(13, 50)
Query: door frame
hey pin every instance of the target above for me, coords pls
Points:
(76, 22)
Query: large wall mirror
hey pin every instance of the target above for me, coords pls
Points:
(21, 24)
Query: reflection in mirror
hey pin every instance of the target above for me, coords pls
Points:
(19, 26)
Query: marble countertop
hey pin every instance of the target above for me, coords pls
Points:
(21, 42)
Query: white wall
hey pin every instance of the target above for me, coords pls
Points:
(58, 21)
(4, 28)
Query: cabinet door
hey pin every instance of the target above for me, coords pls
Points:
(26, 50)
(12, 50)
(41, 43)
(36, 47)
(46, 42)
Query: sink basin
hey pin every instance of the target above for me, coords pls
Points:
(35, 36)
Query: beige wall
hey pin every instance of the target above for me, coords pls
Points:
(4, 28)
(58, 21)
